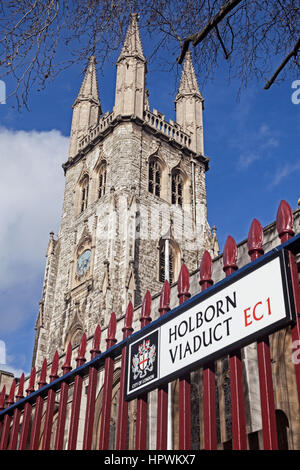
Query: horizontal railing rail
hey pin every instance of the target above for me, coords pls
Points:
(292, 245)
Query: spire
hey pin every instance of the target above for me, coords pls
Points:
(188, 82)
(89, 86)
(86, 108)
(132, 46)
(189, 105)
(130, 98)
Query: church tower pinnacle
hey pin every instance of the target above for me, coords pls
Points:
(86, 108)
(131, 74)
(189, 105)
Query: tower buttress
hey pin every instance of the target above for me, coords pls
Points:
(131, 74)
(189, 105)
(86, 108)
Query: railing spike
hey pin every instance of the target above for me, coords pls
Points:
(164, 303)
(230, 255)
(67, 364)
(128, 318)
(255, 239)
(146, 310)
(183, 284)
(96, 342)
(11, 396)
(82, 346)
(20, 393)
(206, 270)
(54, 367)
(183, 279)
(43, 375)
(81, 351)
(284, 221)
(111, 331)
(146, 305)
(30, 388)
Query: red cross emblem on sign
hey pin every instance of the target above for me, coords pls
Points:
(143, 354)
(143, 362)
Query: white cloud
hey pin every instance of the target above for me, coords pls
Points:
(245, 160)
(31, 193)
(253, 147)
(266, 138)
(2, 352)
(283, 172)
(6, 362)
(13, 370)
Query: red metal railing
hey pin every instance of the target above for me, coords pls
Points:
(55, 416)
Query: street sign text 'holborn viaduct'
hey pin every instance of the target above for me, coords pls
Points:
(233, 313)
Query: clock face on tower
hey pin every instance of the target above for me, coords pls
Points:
(83, 263)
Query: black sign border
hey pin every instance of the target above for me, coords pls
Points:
(283, 256)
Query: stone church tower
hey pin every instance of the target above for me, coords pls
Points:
(134, 191)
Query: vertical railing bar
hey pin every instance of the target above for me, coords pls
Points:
(63, 401)
(239, 434)
(5, 431)
(77, 392)
(16, 417)
(162, 394)
(36, 426)
(123, 404)
(184, 380)
(46, 441)
(107, 388)
(7, 418)
(285, 229)
(269, 428)
(91, 395)
(27, 413)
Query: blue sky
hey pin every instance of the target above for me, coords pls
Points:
(252, 143)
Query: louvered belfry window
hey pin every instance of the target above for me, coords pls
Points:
(154, 178)
(177, 188)
(162, 274)
(102, 181)
(84, 193)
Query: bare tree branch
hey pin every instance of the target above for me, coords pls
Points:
(198, 37)
(293, 53)
(226, 54)
(39, 39)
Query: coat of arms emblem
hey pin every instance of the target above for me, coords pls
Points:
(143, 361)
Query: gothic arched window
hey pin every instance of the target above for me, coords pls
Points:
(76, 336)
(84, 193)
(177, 188)
(102, 181)
(154, 185)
